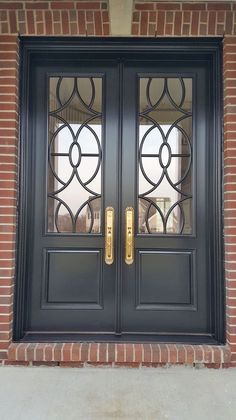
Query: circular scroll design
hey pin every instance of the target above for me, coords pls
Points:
(72, 163)
(151, 207)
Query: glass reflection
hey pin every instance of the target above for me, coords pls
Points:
(165, 156)
(74, 155)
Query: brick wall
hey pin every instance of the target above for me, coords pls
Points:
(184, 19)
(41, 17)
(54, 17)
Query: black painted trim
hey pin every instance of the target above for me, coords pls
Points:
(199, 47)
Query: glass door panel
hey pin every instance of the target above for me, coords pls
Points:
(75, 155)
(165, 155)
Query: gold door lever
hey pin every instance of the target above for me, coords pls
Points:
(129, 235)
(109, 235)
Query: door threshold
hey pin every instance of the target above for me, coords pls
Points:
(119, 338)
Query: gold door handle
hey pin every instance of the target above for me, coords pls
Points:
(129, 235)
(109, 235)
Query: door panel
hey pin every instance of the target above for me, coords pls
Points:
(166, 290)
(76, 127)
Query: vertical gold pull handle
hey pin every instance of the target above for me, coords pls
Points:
(129, 233)
(109, 235)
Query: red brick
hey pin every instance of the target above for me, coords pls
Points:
(212, 23)
(230, 40)
(81, 21)
(198, 354)
(220, 17)
(190, 355)
(151, 29)
(71, 364)
(89, 16)
(120, 353)
(127, 365)
(67, 352)
(43, 5)
(9, 5)
(102, 357)
(212, 365)
(74, 28)
(144, 23)
(41, 363)
(156, 355)
(160, 23)
(129, 353)
(39, 15)
(62, 5)
(152, 16)
(90, 29)
(98, 364)
(3, 354)
(58, 352)
(177, 23)
(84, 352)
(135, 29)
(88, 5)
(5, 28)
(195, 22)
(30, 352)
(229, 23)
(203, 29)
(30, 23)
(3, 16)
(48, 22)
(65, 22)
(56, 16)
(105, 16)
(40, 28)
(191, 6)
(76, 352)
(93, 352)
(57, 28)
(219, 6)
(203, 16)
(111, 352)
(167, 6)
(138, 352)
(145, 6)
(106, 29)
(15, 363)
(12, 19)
(168, 29)
(98, 23)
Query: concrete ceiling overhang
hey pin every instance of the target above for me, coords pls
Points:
(120, 17)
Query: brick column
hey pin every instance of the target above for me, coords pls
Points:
(9, 60)
(230, 188)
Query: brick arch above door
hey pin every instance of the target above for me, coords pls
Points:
(76, 18)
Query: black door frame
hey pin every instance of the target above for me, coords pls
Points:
(207, 49)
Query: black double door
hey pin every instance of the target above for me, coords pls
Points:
(118, 194)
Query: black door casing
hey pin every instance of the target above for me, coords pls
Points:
(173, 291)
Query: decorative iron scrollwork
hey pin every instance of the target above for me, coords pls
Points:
(74, 116)
(165, 113)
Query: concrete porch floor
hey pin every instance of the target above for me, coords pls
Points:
(175, 393)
